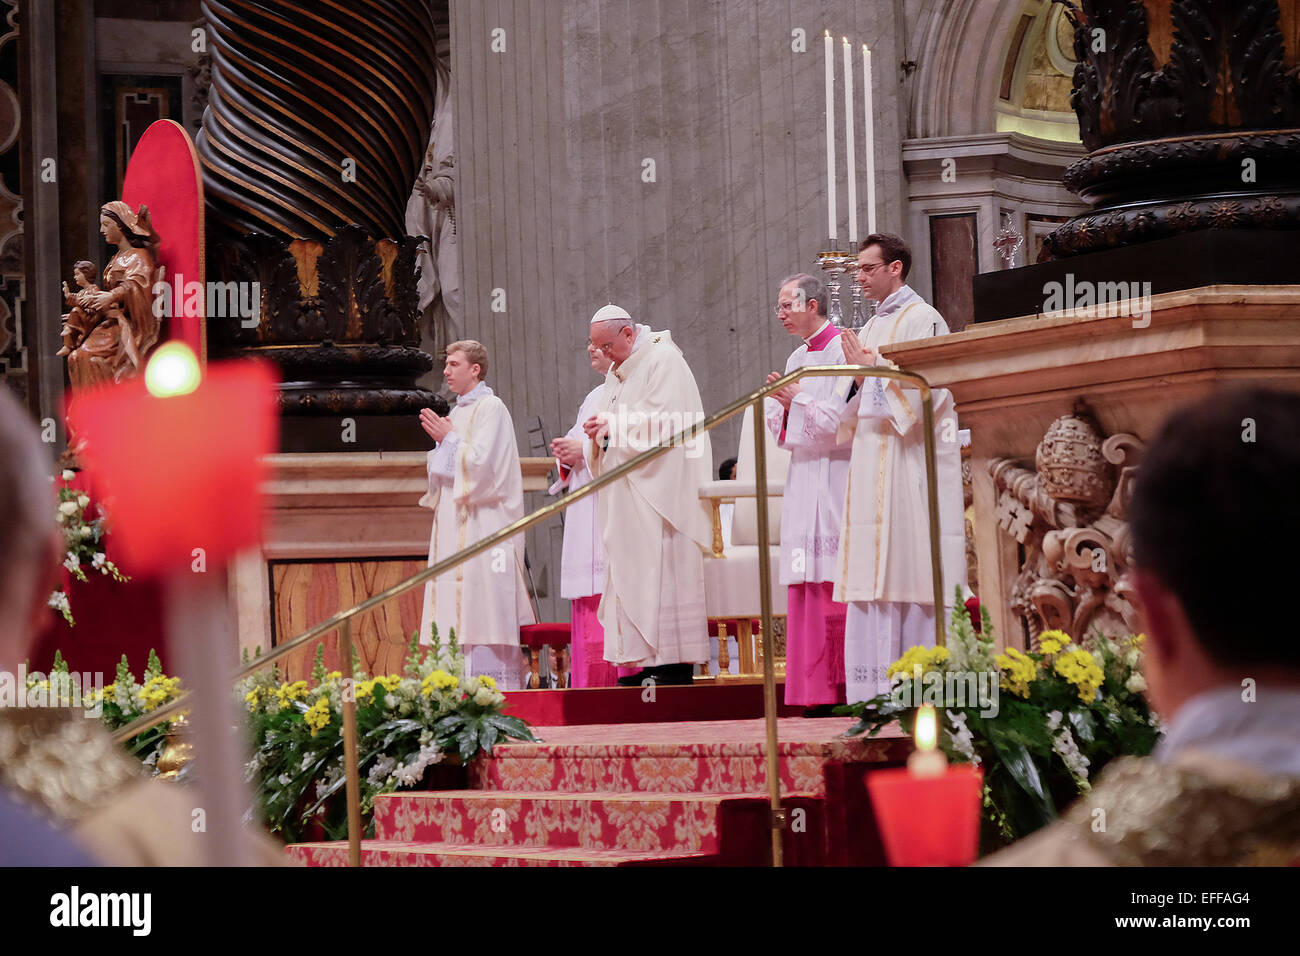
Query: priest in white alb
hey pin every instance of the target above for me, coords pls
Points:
(805, 417)
(582, 556)
(654, 525)
(476, 489)
(884, 568)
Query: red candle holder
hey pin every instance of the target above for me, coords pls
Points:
(928, 821)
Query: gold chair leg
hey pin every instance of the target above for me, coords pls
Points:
(724, 652)
(534, 669)
(564, 666)
(745, 638)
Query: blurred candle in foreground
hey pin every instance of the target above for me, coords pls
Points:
(180, 455)
(927, 760)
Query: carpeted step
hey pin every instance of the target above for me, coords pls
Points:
(659, 822)
(684, 757)
(400, 853)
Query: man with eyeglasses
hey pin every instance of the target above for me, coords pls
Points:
(654, 526)
(883, 566)
(805, 418)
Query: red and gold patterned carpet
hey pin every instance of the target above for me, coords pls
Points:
(682, 793)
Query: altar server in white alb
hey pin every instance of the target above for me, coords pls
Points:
(582, 558)
(805, 418)
(654, 525)
(884, 564)
(476, 489)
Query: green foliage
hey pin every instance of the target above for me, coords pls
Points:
(405, 724)
(1038, 751)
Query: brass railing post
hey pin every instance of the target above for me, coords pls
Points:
(769, 665)
(348, 703)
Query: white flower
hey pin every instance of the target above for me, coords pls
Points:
(1132, 658)
(1136, 684)
(86, 531)
(58, 600)
(1068, 750)
(483, 696)
(82, 501)
(380, 771)
(72, 562)
(1053, 720)
(68, 508)
(408, 775)
(98, 560)
(68, 474)
(307, 760)
(284, 780)
(963, 741)
(471, 686)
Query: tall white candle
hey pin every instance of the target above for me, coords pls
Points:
(849, 144)
(830, 136)
(870, 139)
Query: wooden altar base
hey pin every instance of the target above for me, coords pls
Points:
(686, 793)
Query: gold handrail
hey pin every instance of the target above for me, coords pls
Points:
(342, 620)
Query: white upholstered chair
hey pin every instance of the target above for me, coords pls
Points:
(731, 587)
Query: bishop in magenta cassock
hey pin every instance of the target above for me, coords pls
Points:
(805, 418)
(475, 489)
(654, 526)
(883, 567)
(582, 557)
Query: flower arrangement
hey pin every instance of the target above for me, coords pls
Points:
(120, 702)
(405, 724)
(83, 543)
(1054, 718)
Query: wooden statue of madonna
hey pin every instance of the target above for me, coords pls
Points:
(111, 327)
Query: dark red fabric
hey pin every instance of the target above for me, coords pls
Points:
(113, 618)
(624, 705)
(164, 174)
(973, 609)
(553, 633)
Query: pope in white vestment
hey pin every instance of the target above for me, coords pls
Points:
(654, 525)
(884, 568)
(476, 489)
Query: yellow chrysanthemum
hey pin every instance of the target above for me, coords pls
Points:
(364, 688)
(334, 675)
(488, 682)
(389, 683)
(1079, 668)
(1051, 642)
(1018, 671)
(918, 658)
(317, 716)
(290, 692)
(1137, 639)
(440, 680)
(157, 691)
(253, 698)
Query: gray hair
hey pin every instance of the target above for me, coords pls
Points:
(27, 523)
(809, 287)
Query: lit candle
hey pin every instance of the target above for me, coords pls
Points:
(849, 144)
(927, 760)
(830, 137)
(870, 139)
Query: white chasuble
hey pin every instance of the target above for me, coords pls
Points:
(582, 557)
(885, 544)
(654, 525)
(813, 502)
(475, 489)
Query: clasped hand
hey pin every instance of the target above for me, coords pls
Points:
(568, 451)
(785, 396)
(434, 424)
